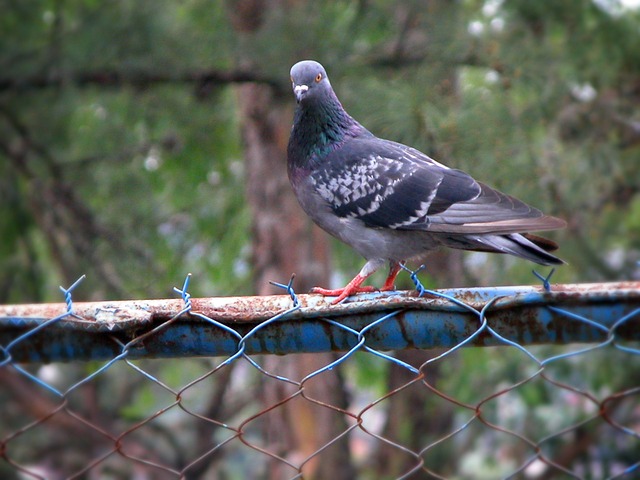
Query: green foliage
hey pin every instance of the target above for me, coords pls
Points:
(116, 163)
(492, 88)
(369, 373)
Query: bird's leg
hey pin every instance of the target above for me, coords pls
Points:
(394, 269)
(354, 286)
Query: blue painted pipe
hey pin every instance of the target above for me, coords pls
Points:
(156, 328)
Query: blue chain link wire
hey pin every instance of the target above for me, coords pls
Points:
(546, 285)
(360, 337)
(289, 288)
(6, 350)
(610, 340)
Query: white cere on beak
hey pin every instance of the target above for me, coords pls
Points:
(299, 90)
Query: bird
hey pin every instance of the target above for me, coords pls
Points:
(391, 202)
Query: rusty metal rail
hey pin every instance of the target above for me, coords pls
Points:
(270, 324)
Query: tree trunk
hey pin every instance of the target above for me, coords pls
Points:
(284, 242)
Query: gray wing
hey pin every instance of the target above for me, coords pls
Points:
(389, 185)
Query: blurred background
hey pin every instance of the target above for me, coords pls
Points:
(142, 140)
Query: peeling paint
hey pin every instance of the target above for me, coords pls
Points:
(521, 314)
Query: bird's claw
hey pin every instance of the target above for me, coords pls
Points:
(342, 293)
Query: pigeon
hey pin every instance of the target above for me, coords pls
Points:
(390, 202)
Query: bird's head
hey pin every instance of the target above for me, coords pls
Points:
(309, 81)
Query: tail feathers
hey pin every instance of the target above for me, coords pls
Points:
(544, 243)
(527, 246)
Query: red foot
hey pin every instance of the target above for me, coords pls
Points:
(354, 286)
(338, 291)
(351, 288)
(342, 293)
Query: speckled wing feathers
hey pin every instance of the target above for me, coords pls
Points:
(388, 185)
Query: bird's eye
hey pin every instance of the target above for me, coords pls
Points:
(318, 77)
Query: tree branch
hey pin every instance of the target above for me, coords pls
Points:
(203, 80)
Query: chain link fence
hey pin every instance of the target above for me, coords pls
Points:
(176, 388)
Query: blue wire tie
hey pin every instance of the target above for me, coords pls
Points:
(67, 293)
(289, 288)
(414, 278)
(545, 280)
(186, 296)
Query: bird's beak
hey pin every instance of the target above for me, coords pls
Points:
(299, 91)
